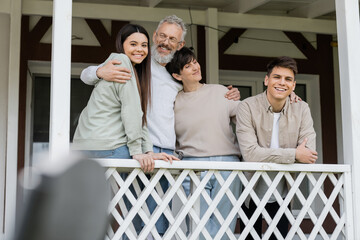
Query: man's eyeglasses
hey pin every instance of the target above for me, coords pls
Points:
(163, 38)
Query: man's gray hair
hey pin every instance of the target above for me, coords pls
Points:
(173, 19)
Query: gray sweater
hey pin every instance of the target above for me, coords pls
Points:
(113, 117)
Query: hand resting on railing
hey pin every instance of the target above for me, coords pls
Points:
(304, 154)
(147, 160)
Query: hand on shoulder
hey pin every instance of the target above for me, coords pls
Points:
(294, 98)
(233, 93)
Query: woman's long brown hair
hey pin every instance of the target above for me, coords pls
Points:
(143, 69)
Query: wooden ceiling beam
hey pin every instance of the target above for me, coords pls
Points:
(253, 63)
(83, 54)
(225, 19)
(229, 38)
(41, 27)
(115, 27)
(302, 44)
(281, 23)
(99, 31)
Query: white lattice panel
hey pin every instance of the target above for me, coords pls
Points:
(324, 201)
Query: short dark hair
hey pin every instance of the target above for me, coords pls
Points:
(180, 59)
(285, 62)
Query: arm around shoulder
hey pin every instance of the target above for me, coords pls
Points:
(111, 70)
(88, 75)
(307, 128)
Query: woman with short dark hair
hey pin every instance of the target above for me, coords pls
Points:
(203, 130)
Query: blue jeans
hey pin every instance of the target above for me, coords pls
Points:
(212, 188)
(120, 152)
(162, 223)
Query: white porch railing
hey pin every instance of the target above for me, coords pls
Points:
(312, 202)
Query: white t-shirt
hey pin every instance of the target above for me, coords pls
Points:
(160, 115)
(261, 186)
(275, 131)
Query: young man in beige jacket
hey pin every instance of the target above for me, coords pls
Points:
(270, 129)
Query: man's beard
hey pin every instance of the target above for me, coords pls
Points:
(162, 59)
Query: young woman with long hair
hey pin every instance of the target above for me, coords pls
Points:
(113, 124)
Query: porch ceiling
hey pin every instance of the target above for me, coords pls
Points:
(323, 9)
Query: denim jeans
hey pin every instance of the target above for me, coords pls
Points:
(120, 152)
(212, 188)
(162, 223)
(271, 208)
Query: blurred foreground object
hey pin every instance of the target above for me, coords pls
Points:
(69, 201)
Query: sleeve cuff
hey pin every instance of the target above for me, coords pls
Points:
(89, 76)
(93, 73)
(289, 156)
(133, 150)
(147, 148)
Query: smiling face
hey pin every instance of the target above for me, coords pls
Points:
(167, 39)
(136, 47)
(190, 74)
(280, 83)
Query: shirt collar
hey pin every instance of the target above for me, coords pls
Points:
(268, 107)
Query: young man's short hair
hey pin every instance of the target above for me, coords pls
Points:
(285, 62)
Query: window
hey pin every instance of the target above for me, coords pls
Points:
(80, 94)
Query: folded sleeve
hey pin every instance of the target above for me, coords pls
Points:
(147, 145)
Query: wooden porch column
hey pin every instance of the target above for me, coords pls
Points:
(348, 32)
(11, 115)
(60, 79)
(212, 56)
